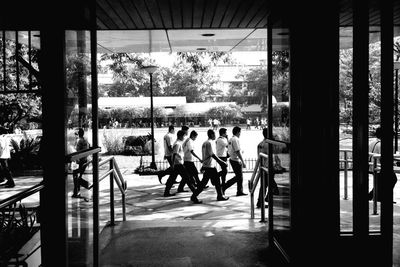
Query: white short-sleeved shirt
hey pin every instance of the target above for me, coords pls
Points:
(178, 151)
(222, 147)
(208, 149)
(5, 147)
(168, 141)
(188, 147)
(233, 146)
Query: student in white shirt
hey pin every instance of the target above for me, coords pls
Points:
(178, 168)
(5, 155)
(189, 155)
(210, 160)
(222, 153)
(236, 161)
(168, 142)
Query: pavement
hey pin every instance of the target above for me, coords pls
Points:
(176, 232)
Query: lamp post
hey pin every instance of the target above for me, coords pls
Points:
(396, 66)
(150, 70)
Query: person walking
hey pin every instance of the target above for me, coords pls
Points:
(77, 174)
(168, 142)
(222, 153)
(210, 159)
(5, 155)
(178, 168)
(189, 155)
(236, 161)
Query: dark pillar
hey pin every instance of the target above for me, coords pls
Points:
(314, 129)
(360, 128)
(53, 204)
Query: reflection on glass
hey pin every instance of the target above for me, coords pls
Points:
(345, 128)
(281, 195)
(79, 136)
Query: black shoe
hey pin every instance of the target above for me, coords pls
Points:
(238, 194)
(222, 198)
(169, 195)
(9, 185)
(195, 200)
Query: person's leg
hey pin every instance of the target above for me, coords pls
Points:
(167, 171)
(233, 180)
(215, 176)
(237, 168)
(75, 178)
(193, 172)
(7, 173)
(224, 171)
(82, 182)
(181, 170)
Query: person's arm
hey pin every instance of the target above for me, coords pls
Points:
(220, 161)
(194, 154)
(174, 152)
(238, 153)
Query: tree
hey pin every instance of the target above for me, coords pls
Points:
(225, 113)
(19, 108)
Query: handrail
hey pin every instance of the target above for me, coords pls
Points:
(375, 169)
(81, 154)
(115, 175)
(21, 195)
(259, 171)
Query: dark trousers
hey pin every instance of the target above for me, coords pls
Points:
(167, 171)
(186, 178)
(224, 171)
(210, 173)
(192, 170)
(5, 171)
(77, 178)
(238, 178)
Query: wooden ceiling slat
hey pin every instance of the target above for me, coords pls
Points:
(230, 13)
(187, 11)
(132, 11)
(257, 17)
(176, 10)
(241, 12)
(154, 11)
(120, 9)
(198, 13)
(108, 8)
(144, 14)
(251, 13)
(100, 24)
(219, 13)
(209, 11)
(105, 18)
(164, 8)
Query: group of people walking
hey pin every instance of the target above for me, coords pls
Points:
(214, 159)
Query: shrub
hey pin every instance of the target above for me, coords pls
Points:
(25, 154)
(113, 143)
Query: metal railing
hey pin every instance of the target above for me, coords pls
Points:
(374, 169)
(162, 165)
(17, 224)
(258, 172)
(115, 175)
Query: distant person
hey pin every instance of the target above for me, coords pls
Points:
(168, 142)
(210, 122)
(248, 124)
(77, 174)
(236, 161)
(262, 147)
(374, 146)
(189, 155)
(222, 153)
(185, 129)
(210, 160)
(5, 155)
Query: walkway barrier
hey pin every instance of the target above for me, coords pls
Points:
(374, 169)
(115, 176)
(258, 172)
(163, 165)
(18, 225)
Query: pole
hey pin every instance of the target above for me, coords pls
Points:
(396, 112)
(153, 163)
